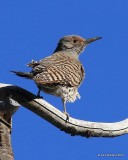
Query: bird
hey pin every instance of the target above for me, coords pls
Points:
(61, 73)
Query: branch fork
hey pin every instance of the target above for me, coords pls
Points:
(19, 96)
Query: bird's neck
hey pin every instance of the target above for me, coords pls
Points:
(73, 52)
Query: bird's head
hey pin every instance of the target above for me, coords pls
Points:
(73, 43)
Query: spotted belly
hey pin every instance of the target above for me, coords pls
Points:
(68, 94)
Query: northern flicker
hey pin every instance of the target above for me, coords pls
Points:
(61, 73)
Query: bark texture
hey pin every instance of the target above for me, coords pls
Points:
(7, 108)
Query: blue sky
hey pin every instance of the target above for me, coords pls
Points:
(30, 29)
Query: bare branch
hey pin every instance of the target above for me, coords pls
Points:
(57, 118)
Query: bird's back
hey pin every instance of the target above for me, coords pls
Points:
(58, 69)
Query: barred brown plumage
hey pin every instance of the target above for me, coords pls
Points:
(67, 71)
(61, 73)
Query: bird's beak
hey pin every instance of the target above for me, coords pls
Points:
(89, 40)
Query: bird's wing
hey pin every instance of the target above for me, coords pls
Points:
(59, 69)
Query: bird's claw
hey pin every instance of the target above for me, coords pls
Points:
(67, 116)
(38, 96)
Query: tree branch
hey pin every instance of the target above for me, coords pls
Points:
(58, 119)
(7, 108)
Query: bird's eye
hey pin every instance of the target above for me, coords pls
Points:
(74, 41)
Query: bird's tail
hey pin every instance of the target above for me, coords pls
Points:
(23, 74)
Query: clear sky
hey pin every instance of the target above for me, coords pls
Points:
(30, 29)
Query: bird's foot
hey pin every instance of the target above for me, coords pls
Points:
(67, 116)
(39, 96)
